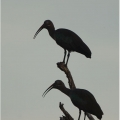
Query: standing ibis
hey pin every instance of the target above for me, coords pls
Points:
(67, 39)
(81, 98)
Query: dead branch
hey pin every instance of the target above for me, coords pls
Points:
(64, 68)
(67, 115)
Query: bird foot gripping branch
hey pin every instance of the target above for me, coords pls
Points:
(62, 66)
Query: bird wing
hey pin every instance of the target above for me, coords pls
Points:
(64, 38)
(71, 41)
(86, 102)
(82, 97)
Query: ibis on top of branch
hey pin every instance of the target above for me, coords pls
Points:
(81, 98)
(67, 39)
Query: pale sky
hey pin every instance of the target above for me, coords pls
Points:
(29, 65)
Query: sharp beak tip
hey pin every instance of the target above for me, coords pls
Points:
(37, 32)
(47, 91)
(34, 37)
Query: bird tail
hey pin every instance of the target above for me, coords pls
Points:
(99, 114)
(85, 51)
(88, 55)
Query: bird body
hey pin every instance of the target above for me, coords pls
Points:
(85, 101)
(81, 98)
(70, 41)
(67, 39)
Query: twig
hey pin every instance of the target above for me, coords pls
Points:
(67, 115)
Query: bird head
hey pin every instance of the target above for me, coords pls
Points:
(47, 24)
(58, 84)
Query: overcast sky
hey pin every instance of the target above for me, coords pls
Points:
(29, 65)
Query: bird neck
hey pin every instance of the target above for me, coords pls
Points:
(51, 31)
(65, 91)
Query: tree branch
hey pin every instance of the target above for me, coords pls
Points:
(67, 115)
(64, 68)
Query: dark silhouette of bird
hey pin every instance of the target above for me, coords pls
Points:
(81, 98)
(67, 39)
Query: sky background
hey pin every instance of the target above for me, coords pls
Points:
(29, 65)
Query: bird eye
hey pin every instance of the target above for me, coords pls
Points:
(48, 25)
(59, 84)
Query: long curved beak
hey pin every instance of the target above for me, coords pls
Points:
(38, 31)
(48, 89)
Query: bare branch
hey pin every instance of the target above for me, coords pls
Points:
(64, 68)
(63, 118)
(67, 115)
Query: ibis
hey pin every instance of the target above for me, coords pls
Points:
(67, 39)
(81, 98)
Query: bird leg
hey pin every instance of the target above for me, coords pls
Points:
(64, 56)
(68, 57)
(79, 114)
(84, 115)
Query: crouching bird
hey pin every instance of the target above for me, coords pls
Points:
(67, 39)
(81, 98)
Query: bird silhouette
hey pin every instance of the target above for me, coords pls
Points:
(67, 39)
(81, 98)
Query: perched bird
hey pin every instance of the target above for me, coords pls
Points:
(81, 98)
(67, 39)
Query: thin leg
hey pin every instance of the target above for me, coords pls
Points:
(79, 114)
(84, 115)
(64, 56)
(68, 57)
